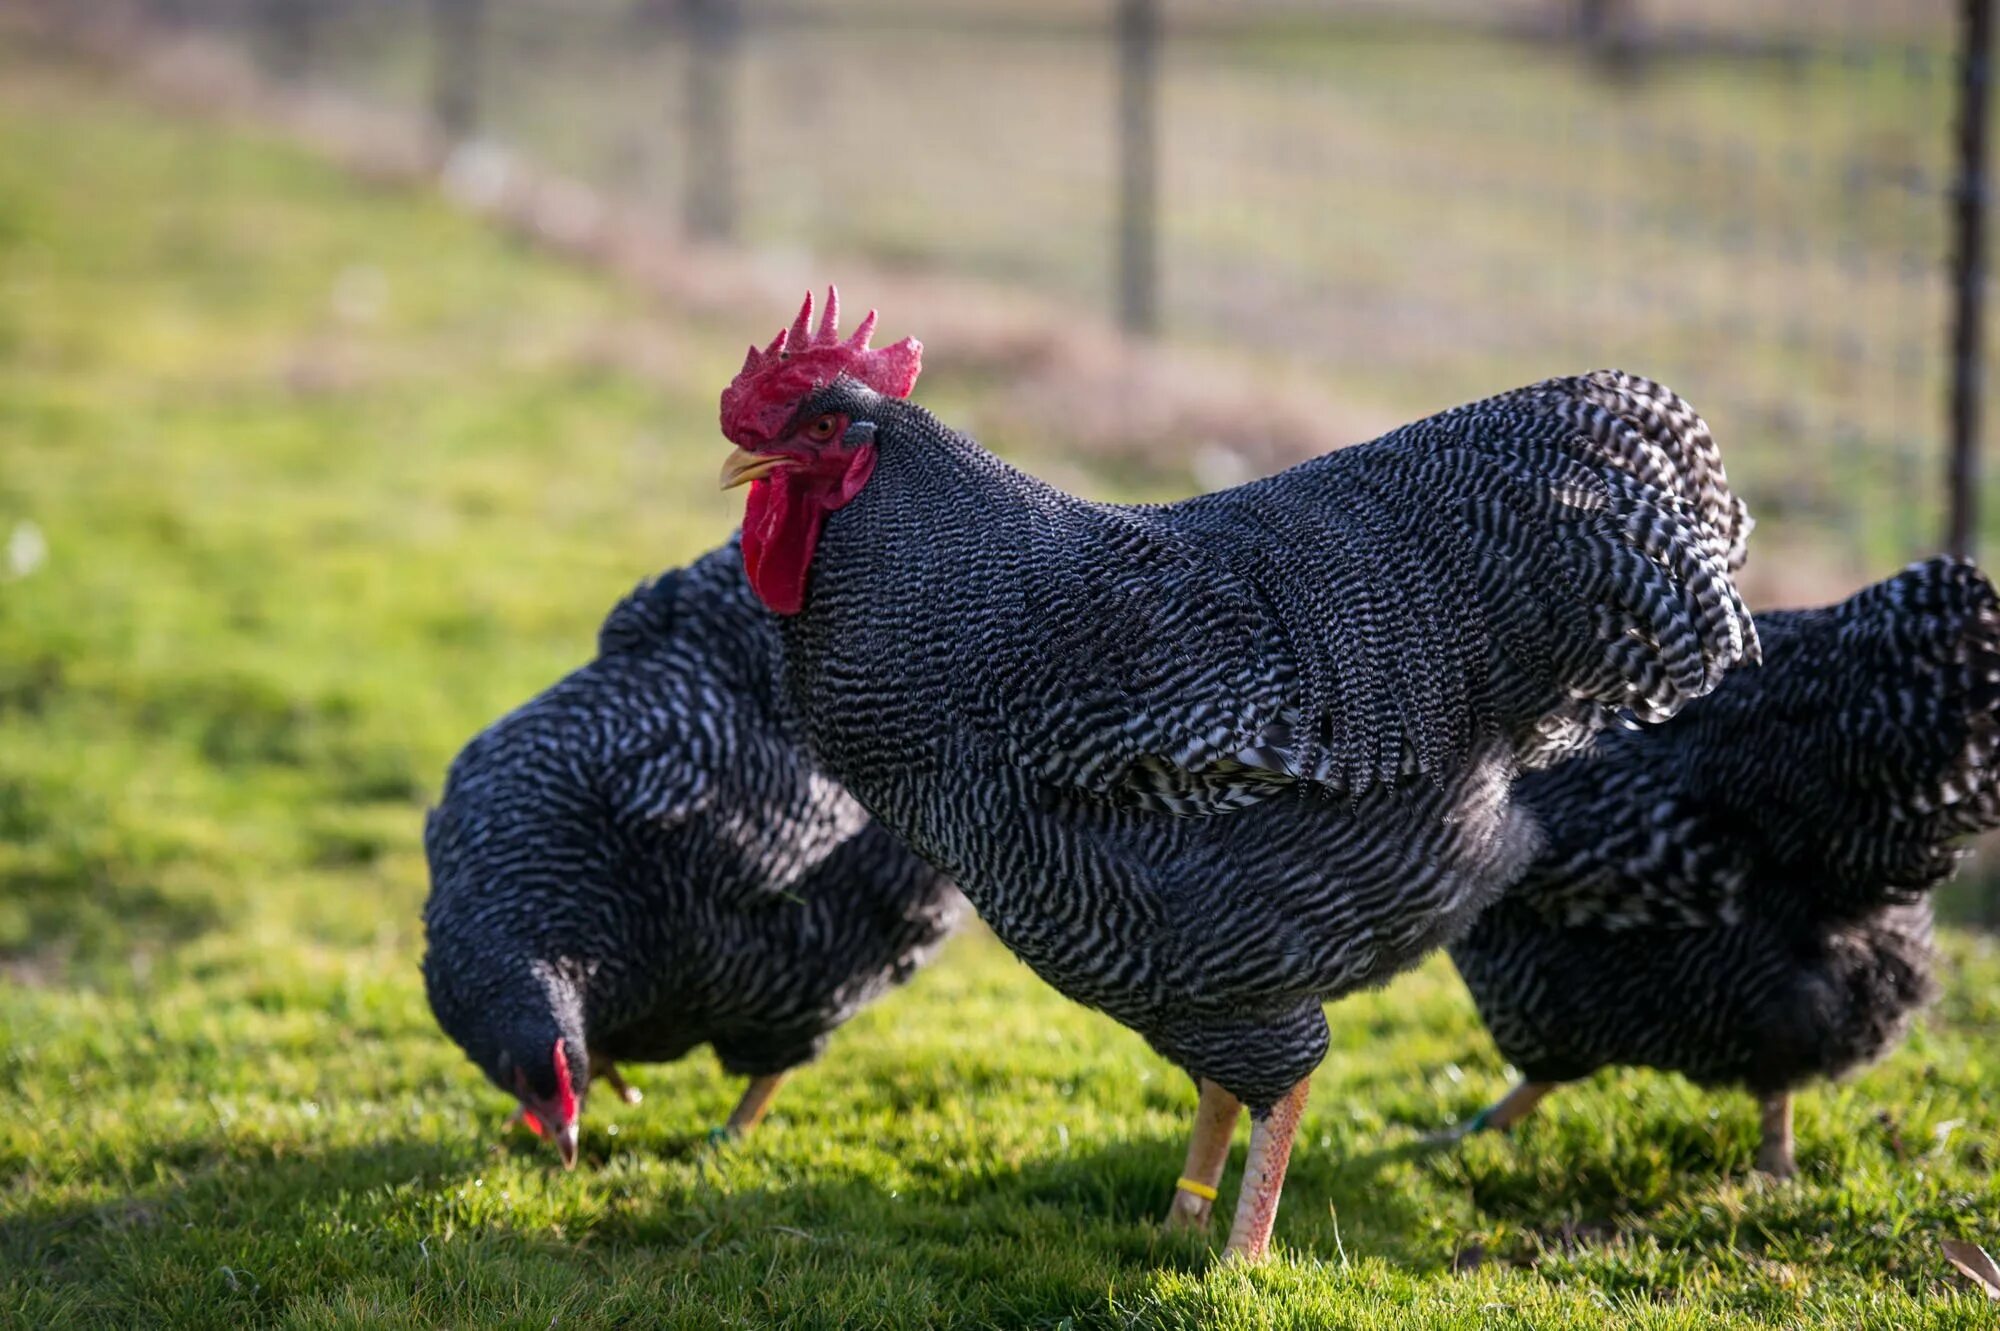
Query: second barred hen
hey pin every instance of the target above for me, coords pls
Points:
(642, 859)
(1739, 894)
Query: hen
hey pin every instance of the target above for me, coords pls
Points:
(642, 859)
(1739, 895)
(1207, 765)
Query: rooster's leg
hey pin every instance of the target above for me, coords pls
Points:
(1774, 1153)
(1510, 1108)
(756, 1102)
(1264, 1176)
(1208, 1154)
(627, 1092)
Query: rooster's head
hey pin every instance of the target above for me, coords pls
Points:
(799, 442)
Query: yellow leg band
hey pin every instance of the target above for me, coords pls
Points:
(1201, 1190)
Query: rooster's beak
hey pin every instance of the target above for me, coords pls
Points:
(742, 466)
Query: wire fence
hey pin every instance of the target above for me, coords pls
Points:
(1417, 202)
(1414, 202)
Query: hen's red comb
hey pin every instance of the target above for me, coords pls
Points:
(767, 390)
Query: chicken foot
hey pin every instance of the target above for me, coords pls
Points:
(1208, 1155)
(1264, 1176)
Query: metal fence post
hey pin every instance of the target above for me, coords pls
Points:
(456, 31)
(1608, 34)
(1968, 272)
(714, 29)
(288, 36)
(1138, 166)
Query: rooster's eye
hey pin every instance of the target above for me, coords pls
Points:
(822, 429)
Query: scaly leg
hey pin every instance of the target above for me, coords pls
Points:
(1510, 1108)
(1774, 1152)
(756, 1102)
(627, 1092)
(1264, 1176)
(1208, 1155)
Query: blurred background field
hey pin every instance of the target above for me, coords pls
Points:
(1403, 203)
(305, 474)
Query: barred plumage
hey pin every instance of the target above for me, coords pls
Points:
(1361, 649)
(1738, 895)
(1207, 765)
(642, 859)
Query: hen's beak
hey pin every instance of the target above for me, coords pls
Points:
(566, 1144)
(742, 466)
(565, 1137)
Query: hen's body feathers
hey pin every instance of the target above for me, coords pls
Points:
(1207, 765)
(648, 841)
(1737, 895)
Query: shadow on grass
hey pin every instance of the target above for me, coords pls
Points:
(1005, 1245)
(1043, 1244)
(194, 1233)
(201, 1199)
(91, 913)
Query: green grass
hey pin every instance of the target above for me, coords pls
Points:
(326, 477)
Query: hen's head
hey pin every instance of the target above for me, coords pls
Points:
(527, 1039)
(551, 1096)
(498, 987)
(795, 414)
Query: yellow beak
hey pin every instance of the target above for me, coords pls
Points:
(742, 466)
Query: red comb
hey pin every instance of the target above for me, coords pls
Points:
(802, 358)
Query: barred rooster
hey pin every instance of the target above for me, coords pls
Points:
(1739, 895)
(1207, 765)
(642, 860)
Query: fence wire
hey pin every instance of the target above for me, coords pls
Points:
(1415, 202)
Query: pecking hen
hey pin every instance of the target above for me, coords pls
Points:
(1738, 895)
(642, 859)
(1207, 765)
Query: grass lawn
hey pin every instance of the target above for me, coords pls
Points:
(300, 483)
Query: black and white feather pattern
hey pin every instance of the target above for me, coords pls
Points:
(642, 859)
(1738, 894)
(1206, 765)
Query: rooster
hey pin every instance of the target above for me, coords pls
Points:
(1739, 895)
(642, 859)
(1207, 765)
